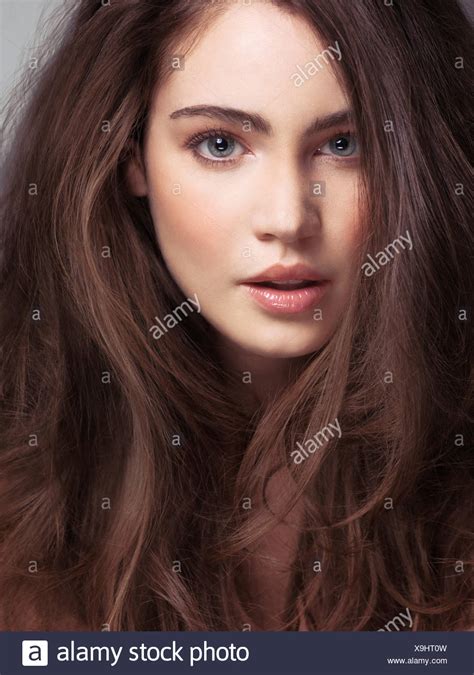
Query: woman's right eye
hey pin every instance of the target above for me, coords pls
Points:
(218, 144)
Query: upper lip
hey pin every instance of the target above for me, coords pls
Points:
(279, 272)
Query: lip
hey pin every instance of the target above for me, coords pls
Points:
(281, 273)
(287, 302)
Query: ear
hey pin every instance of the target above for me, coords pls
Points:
(135, 175)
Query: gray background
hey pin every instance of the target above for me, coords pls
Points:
(19, 28)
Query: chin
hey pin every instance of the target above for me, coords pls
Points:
(285, 352)
(283, 347)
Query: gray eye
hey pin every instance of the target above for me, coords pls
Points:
(343, 145)
(220, 146)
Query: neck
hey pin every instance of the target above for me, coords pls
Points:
(262, 377)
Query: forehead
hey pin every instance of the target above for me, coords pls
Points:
(248, 57)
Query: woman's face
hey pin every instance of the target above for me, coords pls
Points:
(262, 188)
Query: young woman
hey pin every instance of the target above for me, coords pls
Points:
(236, 280)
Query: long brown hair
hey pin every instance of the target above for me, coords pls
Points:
(126, 467)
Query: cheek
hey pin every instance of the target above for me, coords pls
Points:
(340, 216)
(189, 226)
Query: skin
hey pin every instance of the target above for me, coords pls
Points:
(232, 221)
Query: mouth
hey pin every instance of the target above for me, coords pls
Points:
(285, 285)
(287, 297)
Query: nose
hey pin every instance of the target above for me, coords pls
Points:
(286, 209)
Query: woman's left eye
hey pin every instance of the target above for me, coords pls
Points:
(215, 147)
(341, 145)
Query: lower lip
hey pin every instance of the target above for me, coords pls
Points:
(287, 302)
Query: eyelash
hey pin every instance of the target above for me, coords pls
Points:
(195, 140)
(201, 136)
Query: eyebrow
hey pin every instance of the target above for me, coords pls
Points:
(259, 123)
